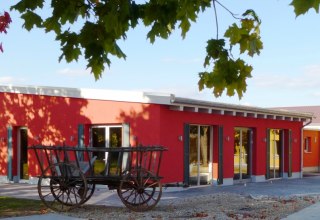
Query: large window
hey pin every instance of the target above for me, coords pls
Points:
(242, 153)
(275, 150)
(106, 137)
(199, 155)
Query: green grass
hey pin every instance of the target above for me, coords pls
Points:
(10, 207)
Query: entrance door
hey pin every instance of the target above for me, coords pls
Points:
(22, 153)
(200, 165)
(242, 153)
(275, 153)
(105, 137)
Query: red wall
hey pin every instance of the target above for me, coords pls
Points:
(311, 159)
(53, 120)
(172, 124)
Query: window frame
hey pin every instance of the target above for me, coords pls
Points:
(307, 144)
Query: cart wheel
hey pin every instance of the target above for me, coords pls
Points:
(90, 190)
(62, 186)
(140, 190)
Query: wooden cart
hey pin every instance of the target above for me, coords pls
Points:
(69, 175)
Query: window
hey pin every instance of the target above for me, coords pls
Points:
(307, 144)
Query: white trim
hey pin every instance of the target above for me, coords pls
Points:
(4, 179)
(15, 179)
(311, 169)
(33, 180)
(312, 127)
(227, 182)
(260, 178)
(296, 175)
(98, 94)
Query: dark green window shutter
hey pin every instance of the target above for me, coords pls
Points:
(81, 135)
(125, 143)
(220, 159)
(125, 135)
(186, 145)
(268, 154)
(250, 139)
(282, 142)
(10, 152)
(290, 154)
(80, 140)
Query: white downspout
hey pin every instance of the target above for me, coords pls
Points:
(301, 146)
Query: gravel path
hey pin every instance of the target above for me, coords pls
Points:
(214, 206)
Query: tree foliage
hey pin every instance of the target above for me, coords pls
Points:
(5, 20)
(92, 28)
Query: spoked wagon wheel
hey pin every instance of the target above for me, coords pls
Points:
(62, 186)
(140, 190)
(90, 190)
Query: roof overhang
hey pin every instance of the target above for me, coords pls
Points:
(184, 104)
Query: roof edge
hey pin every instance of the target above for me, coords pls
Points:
(96, 94)
(240, 108)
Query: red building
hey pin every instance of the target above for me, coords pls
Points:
(311, 135)
(208, 142)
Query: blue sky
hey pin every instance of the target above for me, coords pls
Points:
(287, 72)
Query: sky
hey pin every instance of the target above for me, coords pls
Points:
(286, 73)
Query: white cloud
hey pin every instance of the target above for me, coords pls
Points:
(74, 72)
(308, 79)
(11, 80)
(313, 70)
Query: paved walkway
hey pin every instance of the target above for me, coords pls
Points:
(276, 188)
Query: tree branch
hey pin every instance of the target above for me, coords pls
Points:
(233, 14)
(216, 17)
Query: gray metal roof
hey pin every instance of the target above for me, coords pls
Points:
(238, 110)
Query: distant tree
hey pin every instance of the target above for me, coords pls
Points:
(104, 22)
(5, 20)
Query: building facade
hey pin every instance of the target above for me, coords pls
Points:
(208, 142)
(311, 135)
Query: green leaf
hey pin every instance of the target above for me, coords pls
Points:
(234, 33)
(52, 24)
(226, 74)
(97, 66)
(247, 36)
(215, 48)
(69, 46)
(31, 19)
(253, 14)
(25, 5)
(303, 6)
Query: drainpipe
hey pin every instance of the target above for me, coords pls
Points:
(301, 146)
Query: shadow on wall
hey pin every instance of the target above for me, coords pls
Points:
(50, 120)
(146, 130)
(142, 124)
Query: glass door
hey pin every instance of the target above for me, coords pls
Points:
(242, 145)
(275, 151)
(199, 155)
(104, 137)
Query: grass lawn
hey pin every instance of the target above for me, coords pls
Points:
(10, 207)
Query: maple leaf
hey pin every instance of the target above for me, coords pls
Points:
(302, 6)
(4, 22)
(5, 19)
